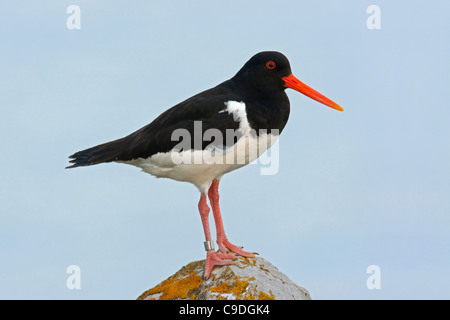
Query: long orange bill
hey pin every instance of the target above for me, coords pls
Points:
(293, 83)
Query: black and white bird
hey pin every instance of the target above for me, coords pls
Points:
(210, 134)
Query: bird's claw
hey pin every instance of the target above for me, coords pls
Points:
(214, 258)
(226, 246)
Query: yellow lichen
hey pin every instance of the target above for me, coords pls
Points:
(187, 283)
(234, 286)
(176, 288)
(239, 287)
(221, 288)
(181, 285)
(265, 296)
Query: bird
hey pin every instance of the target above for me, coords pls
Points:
(210, 134)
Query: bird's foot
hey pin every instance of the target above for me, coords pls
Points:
(214, 258)
(225, 245)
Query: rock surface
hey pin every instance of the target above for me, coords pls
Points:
(248, 279)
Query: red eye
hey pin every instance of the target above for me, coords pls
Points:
(270, 65)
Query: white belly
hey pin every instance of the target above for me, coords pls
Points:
(201, 167)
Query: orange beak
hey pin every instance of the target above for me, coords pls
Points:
(293, 83)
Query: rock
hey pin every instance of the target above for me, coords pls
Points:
(248, 279)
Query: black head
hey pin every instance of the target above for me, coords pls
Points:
(269, 73)
(264, 72)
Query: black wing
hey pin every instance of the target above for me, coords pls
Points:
(157, 137)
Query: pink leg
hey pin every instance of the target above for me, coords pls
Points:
(213, 258)
(222, 241)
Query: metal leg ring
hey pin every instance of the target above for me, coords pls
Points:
(209, 245)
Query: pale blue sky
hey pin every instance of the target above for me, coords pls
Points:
(366, 186)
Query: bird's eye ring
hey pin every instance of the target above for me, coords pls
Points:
(270, 65)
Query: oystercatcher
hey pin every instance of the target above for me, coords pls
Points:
(210, 134)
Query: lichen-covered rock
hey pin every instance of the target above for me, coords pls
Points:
(248, 279)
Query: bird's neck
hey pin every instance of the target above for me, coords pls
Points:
(270, 112)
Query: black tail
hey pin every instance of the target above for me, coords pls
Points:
(106, 152)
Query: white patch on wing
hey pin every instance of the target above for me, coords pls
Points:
(237, 109)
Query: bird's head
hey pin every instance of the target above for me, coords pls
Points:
(270, 71)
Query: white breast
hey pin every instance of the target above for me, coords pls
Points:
(201, 167)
